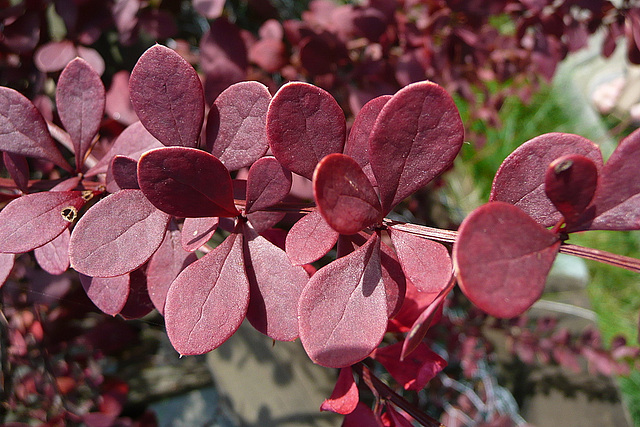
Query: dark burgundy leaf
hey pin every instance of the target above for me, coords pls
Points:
(54, 256)
(125, 172)
(520, 178)
(425, 262)
(236, 125)
(6, 265)
(167, 96)
(415, 138)
(414, 371)
(18, 168)
(310, 239)
(108, 294)
(208, 300)
(344, 195)
(138, 302)
(339, 300)
(35, 219)
(23, 34)
(267, 184)
(345, 395)
(23, 131)
(54, 56)
(362, 416)
(186, 182)
(117, 235)
(304, 124)
(197, 231)
(276, 285)
(264, 220)
(394, 419)
(570, 184)
(502, 257)
(165, 265)
(80, 98)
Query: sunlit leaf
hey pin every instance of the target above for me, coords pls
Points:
(345, 396)
(267, 184)
(197, 231)
(108, 294)
(6, 265)
(54, 256)
(310, 239)
(415, 370)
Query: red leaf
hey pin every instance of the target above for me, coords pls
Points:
(124, 172)
(54, 56)
(264, 220)
(520, 178)
(208, 300)
(54, 256)
(392, 418)
(344, 195)
(267, 184)
(138, 302)
(117, 235)
(503, 257)
(23, 131)
(415, 138)
(18, 169)
(80, 98)
(108, 294)
(345, 395)
(236, 124)
(6, 265)
(197, 231)
(414, 371)
(310, 239)
(343, 308)
(210, 9)
(32, 220)
(167, 96)
(178, 180)
(304, 124)
(423, 323)
(414, 304)
(362, 416)
(276, 285)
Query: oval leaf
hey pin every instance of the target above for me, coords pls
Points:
(124, 171)
(310, 239)
(109, 294)
(304, 124)
(343, 308)
(117, 235)
(80, 98)
(503, 257)
(186, 182)
(54, 256)
(6, 265)
(208, 300)
(236, 125)
(267, 184)
(197, 231)
(344, 195)
(345, 396)
(415, 138)
(167, 96)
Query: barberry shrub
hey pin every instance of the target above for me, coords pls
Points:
(132, 222)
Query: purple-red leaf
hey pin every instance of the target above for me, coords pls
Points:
(267, 184)
(18, 169)
(197, 231)
(117, 235)
(344, 195)
(502, 257)
(520, 178)
(208, 300)
(54, 256)
(23, 129)
(35, 219)
(138, 302)
(304, 124)
(6, 265)
(412, 372)
(186, 182)
(236, 125)
(276, 285)
(343, 308)
(210, 9)
(310, 239)
(108, 294)
(264, 220)
(345, 396)
(415, 138)
(80, 98)
(362, 416)
(125, 172)
(425, 263)
(167, 96)
(570, 184)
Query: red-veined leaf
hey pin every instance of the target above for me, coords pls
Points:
(345, 396)
(109, 294)
(310, 239)
(415, 138)
(502, 257)
(344, 195)
(304, 124)
(343, 308)
(186, 182)
(276, 285)
(23, 130)
(80, 98)
(117, 235)
(267, 184)
(167, 96)
(236, 124)
(34, 219)
(54, 256)
(414, 371)
(208, 300)
(197, 231)
(520, 178)
(6, 265)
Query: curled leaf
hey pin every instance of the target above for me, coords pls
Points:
(345, 396)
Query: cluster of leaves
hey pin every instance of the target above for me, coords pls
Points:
(140, 212)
